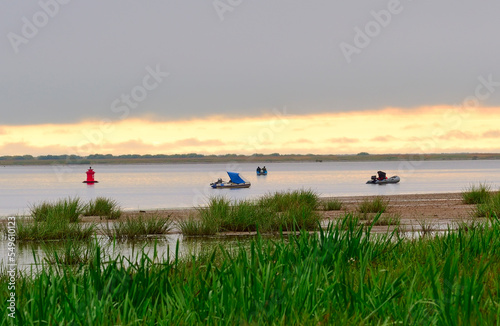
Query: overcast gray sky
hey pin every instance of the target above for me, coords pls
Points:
(240, 57)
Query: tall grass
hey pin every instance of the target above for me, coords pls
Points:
(104, 207)
(54, 221)
(52, 229)
(69, 209)
(332, 205)
(479, 194)
(283, 211)
(282, 201)
(344, 275)
(194, 226)
(142, 226)
(376, 205)
(489, 208)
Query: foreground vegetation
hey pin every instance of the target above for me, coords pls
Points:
(343, 275)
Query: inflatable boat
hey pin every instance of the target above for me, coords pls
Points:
(393, 179)
(382, 179)
(235, 181)
(262, 171)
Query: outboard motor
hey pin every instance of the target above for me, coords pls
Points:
(374, 178)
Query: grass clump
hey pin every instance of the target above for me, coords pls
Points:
(40, 212)
(69, 209)
(282, 201)
(479, 194)
(52, 229)
(332, 205)
(490, 208)
(139, 227)
(103, 207)
(273, 212)
(193, 226)
(54, 221)
(375, 205)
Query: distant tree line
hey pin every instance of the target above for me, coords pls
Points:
(111, 156)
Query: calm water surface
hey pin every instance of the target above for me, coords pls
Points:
(155, 186)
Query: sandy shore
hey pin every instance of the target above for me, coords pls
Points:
(441, 209)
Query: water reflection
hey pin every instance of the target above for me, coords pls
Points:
(158, 247)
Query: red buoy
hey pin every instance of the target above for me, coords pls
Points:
(90, 177)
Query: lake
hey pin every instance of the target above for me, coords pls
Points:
(156, 186)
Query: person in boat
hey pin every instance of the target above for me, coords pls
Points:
(381, 175)
(264, 169)
(258, 169)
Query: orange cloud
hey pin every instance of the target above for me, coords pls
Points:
(196, 142)
(491, 134)
(383, 139)
(388, 130)
(343, 140)
(460, 135)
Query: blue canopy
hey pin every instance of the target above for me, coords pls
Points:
(235, 177)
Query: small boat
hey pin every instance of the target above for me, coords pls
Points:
(262, 171)
(235, 181)
(382, 179)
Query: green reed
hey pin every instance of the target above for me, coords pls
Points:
(283, 211)
(104, 207)
(69, 209)
(488, 208)
(332, 205)
(141, 226)
(343, 275)
(376, 205)
(476, 194)
(54, 228)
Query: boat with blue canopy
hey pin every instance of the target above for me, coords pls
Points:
(235, 181)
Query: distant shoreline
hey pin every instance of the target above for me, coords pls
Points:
(255, 158)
